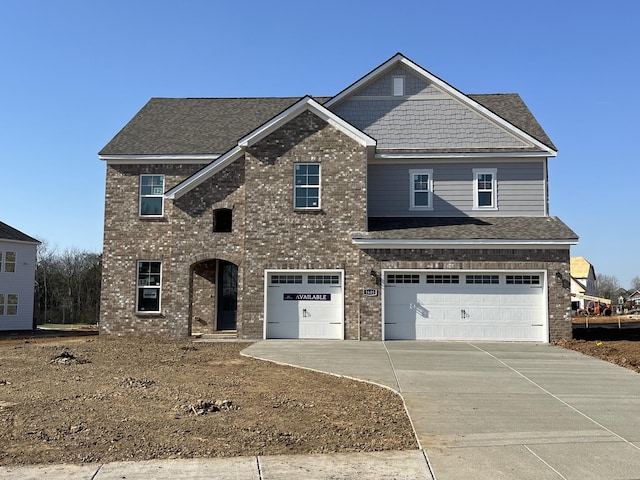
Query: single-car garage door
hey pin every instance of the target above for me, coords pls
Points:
(305, 304)
(508, 306)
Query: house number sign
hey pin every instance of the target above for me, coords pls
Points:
(370, 292)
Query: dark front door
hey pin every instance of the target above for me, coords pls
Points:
(227, 295)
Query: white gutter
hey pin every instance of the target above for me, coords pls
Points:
(382, 243)
(159, 159)
(426, 155)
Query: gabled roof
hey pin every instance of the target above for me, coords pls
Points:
(580, 267)
(205, 128)
(507, 110)
(305, 104)
(7, 232)
(193, 126)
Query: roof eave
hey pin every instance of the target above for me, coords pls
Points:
(386, 243)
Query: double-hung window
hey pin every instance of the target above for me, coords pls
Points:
(421, 187)
(484, 189)
(149, 284)
(306, 186)
(8, 304)
(7, 262)
(151, 195)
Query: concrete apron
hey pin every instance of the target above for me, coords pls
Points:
(495, 410)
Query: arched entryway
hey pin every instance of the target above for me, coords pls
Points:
(214, 297)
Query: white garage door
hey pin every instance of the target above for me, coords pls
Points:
(307, 304)
(507, 306)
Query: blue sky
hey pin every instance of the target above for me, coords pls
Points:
(74, 72)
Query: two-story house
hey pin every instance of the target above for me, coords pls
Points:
(400, 208)
(17, 278)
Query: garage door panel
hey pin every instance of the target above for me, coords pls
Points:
(496, 311)
(303, 309)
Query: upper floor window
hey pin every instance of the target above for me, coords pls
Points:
(484, 189)
(151, 195)
(8, 262)
(421, 189)
(222, 220)
(398, 86)
(306, 186)
(149, 284)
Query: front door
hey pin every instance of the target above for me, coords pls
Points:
(227, 295)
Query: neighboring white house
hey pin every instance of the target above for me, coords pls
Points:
(17, 278)
(583, 282)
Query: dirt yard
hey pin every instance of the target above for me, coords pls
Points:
(90, 399)
(625, 353)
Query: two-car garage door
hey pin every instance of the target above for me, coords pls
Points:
(508, 306)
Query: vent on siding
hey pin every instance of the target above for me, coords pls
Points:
(398, 86)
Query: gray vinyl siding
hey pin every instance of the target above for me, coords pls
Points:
(19, 283)
(520, 189)
(424, 118)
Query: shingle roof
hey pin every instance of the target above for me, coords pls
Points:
(174, 126)
(191, 126)
(511, 107)
(468, 228)
(7, 232)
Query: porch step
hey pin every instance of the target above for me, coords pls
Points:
(220, 335)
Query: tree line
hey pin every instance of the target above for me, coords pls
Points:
(67, 288)
(608, 286)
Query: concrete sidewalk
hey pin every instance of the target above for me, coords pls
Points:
(496, 410)
(407, 465)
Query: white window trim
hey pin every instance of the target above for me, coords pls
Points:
(140, 196)
(308, 186)
(412, 197)
(138, 287)
(494, 188)
(398, 81)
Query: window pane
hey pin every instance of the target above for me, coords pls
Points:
(484, 199)
(421, 182)
(148, 300)
(421, 199)
(10, 262)
(12, 304)
(1, 303)
(313, 180)
(313, 169)
(151, 206)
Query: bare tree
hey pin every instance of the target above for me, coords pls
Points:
(67, 286)
(607, 285)
(635, 284)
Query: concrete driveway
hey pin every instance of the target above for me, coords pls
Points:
(495, 410)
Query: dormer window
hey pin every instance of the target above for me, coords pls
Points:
(398, 86)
